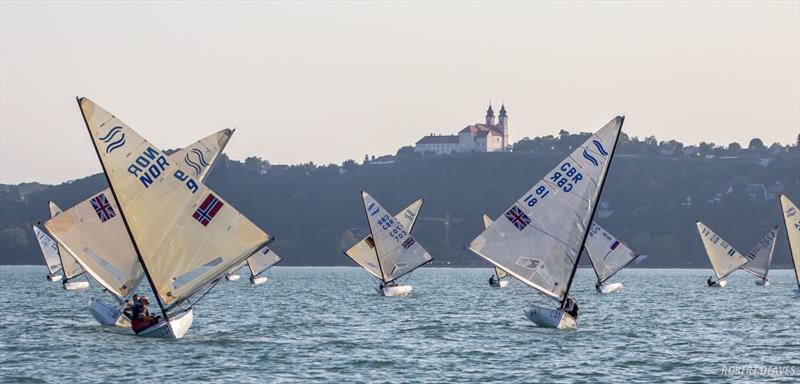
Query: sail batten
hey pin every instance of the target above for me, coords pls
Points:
(397, 251)
(538, 239)
(791, 220)
(179, 227)
(725, 259)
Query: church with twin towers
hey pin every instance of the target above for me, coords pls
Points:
(489, 136)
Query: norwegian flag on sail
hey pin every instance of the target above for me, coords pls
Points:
(211, 205)
(102, 207)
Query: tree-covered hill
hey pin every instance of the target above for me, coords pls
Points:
(652, 198)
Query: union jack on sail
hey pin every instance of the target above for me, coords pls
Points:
(211, 205)
(102, 207)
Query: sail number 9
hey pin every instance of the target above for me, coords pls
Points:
(190, 183)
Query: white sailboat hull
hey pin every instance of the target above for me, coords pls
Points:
(258, 280)
(762, 283)
(719, 284)
(395, 290)
(55, 278)
(550, 317)
(175, 328)
(609, 288)
(499, 284)
(108, 315)
(233, 277)
(76, 285)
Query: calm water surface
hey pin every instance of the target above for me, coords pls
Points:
(328, 324)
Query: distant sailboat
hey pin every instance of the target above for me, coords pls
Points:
(94, 233)
(539, 239)
(390, 252)
(50, 252)
(69, 266)
(608, 256)
(760, 257)
(233, 273)
(500, 277)
(791, 220)
(184, 235)
(260, 262)
(724, 258)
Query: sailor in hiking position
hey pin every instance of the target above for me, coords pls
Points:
(571, 307)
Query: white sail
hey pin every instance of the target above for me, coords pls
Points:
(608, 255)
(398, 252)
(262, 260)
(94, 232)
(724, 258)
(49, 250)
(760, 257)
(186, 236)
(363, 252)
(791, 219)
(539, 238)
(487, 221)
(69, 265)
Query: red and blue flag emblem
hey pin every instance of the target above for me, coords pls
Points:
(517, 217)
(102, 207)
(211, 205)
(408, 243)
(614, 245)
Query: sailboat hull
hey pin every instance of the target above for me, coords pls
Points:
(719, 284)
(499, 284)
(175, 328)
(258, 280)
(54, 278)
(609, 288)
(762, 283)
(395, 290)
(550, 317)
(108, 315)
(76, 285)
(234, 277)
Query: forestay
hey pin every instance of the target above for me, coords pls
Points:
(607, 254)
(185, 234)
(398, 252)
(262, 260)
(724, 258)
(364, 253)
(538, 239)
(791, 219)
(69, 266)
(49, 250)
(94, 232)
(487, 221)
(760, 257)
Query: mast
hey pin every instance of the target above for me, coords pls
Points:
(591, 217)
(122, 213)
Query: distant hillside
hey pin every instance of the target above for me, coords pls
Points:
(652, 198)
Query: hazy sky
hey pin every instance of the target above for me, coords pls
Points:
(329, 82)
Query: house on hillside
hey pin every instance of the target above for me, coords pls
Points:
(489, 136)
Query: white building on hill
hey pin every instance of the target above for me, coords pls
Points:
(490, 136)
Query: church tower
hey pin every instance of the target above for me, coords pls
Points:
(490, 115)
(504, 125)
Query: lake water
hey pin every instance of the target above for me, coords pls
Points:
(328, 324)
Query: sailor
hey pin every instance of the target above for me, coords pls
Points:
(130, 305)
(141, 318)
(597, 287)
(491, 280)
(765, 281)
(710, 282)
(381, 285)
(571, 307)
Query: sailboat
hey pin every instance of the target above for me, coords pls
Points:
(185, 236)
(260, 262)
(500, 277)
(608, 256)
(724, 258)
(760, 257)
(50, 252)
(791, 220)
(94, 233)
(539, 239)
(69, 266)
(233, 273)
(389, 252)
